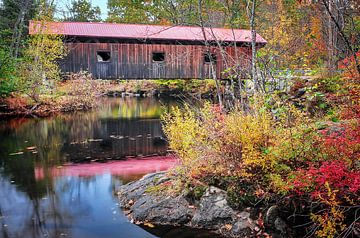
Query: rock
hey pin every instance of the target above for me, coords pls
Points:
(280, 225)
(135, 190)
(271, 214)
(243, 226)
(213, 211)
(154, 208)
(274, 222)
(243, 215)
(169, 210)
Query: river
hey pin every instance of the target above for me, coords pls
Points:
(59, 175)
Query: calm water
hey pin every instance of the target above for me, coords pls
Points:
(58, 176)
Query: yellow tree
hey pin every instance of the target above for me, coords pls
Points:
(40, 70)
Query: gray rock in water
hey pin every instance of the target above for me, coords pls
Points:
(214, 210)
(168, 210)
(135, 190)
(160, 209)
(211, 212)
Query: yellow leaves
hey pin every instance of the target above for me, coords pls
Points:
(249, 145)
(40, 68)
(185, 131)
(148, 224)
(330, 221)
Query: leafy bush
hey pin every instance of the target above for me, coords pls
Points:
(274, 149)
(246, 144)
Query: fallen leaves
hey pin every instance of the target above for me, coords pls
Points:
(228, 227)
(148, 224)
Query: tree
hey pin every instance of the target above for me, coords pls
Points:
(251, 13)
(130, 11)
(14, 15)
(83, 11)
(40, 68)
(339, 13)
(168, 12)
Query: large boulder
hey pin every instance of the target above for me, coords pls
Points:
(167, 210)
(133, 191)
(145, 202)
(151, 206)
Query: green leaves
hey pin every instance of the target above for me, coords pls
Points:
(83, 11)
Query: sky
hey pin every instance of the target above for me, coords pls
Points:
(101, 3)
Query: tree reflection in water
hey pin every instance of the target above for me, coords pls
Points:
(34, 202)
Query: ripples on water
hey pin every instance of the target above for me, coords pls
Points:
(46, 192)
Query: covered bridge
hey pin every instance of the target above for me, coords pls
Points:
(134, 51)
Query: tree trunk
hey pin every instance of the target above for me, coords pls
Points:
(328, 7)
(18, 28)
(218, 92)
(253, 45)
(331, 42)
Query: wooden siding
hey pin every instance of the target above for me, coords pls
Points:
(134, 61)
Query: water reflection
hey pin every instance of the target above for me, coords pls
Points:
(44, 194)
(75, 207)
(126, 170)
(119, 128)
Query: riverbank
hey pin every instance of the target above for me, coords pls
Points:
(67, 96)
(300, 159)
(178, 88)
(22, 106)
(155, 200)
(81, 93)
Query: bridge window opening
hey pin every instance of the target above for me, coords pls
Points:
(103, 56)
(210, 58)
(158, 56)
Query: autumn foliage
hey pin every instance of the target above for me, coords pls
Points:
(273, 149)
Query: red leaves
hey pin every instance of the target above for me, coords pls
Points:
(336, 173)
(336, 168)
(341, 143)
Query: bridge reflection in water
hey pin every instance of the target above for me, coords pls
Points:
(44, 194)
(124, 128)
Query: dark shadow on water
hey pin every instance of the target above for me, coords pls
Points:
(180, 232)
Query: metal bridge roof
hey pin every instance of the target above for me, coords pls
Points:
(145, 32)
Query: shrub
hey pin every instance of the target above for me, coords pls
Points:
(269, 150)
(243, 144)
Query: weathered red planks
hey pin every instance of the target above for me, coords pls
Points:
(134, 61)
